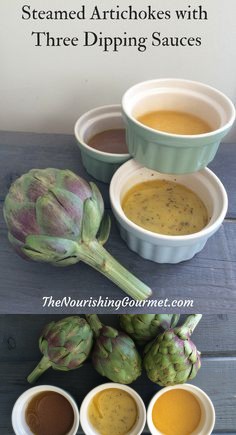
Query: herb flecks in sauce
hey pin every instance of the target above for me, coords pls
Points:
(113, 411)
(165, 207)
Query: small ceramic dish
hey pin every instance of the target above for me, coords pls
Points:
(84, 418)
(174, 153)
(159, 247)
(19, 424)
(207, 421)
(99, 164)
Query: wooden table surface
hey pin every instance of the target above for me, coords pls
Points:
(19, 354)
(209, 278)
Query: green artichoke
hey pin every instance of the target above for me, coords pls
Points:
(145, 327)
(65, 344)
(172, 358)
(114, 354)
(55, 216)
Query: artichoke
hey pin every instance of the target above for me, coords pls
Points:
(145, 327)
(172, 358)
(65, 344)
(55, 216)
(114, 354)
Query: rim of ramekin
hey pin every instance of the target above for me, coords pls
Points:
(90, 113)
(208, 229)
(41, 388)
(181, 136)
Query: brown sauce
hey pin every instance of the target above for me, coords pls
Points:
(49, 413)
(110, 141)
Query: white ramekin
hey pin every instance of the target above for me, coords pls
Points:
(84, 419)
(158, 247)
(18, 413)
(99, 164)
(207, 422)
(168, 152)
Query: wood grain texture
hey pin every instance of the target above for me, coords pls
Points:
(19, 354)
(214, 336)
(209, 278)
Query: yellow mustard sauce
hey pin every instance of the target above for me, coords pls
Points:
(176, 412)
(165, 207)
(175, 122)
(113, 412)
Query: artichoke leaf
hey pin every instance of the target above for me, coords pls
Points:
(93, 214)
(49, 249)
(104, 229)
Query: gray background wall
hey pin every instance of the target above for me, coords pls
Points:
(45, 90)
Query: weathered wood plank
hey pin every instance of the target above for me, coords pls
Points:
(23, 151)
(80, 382)
(209, 278)
(214, 336)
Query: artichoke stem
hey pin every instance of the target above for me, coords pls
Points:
(42, 366)
(96, 256)
(95, 323)
(189, 325)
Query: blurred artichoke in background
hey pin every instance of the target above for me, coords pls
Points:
(65, 344)
(55, 216)
(114, 354)
(172, 358)
(144, 327)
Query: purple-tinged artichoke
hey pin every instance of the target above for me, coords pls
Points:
(172, 358)
(114, 354)
(145, 327)
(65, 345)
(55, 216)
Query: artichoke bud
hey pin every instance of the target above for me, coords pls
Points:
(145, 327)
(64, 344)
(173, 358)
(93, 214)
(114, 354)
(66, 213)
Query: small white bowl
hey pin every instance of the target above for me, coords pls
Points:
(159, 247)
(84, 418)
(207, 422)
(99, 164)
(18, 413)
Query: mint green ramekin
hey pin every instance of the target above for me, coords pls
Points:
(173, 153)
(99, 164)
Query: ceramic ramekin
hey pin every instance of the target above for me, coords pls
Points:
(97, 163)
(18, 413)
(84, 419)
(207, 422)
(172, 153)
(158, 247)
